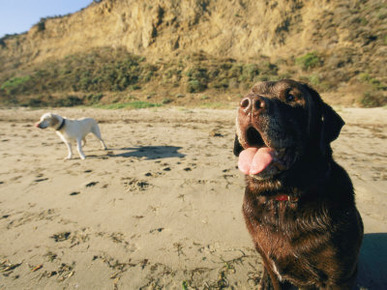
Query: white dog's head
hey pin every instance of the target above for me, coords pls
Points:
(48, 120)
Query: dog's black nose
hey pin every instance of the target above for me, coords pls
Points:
(253, 103)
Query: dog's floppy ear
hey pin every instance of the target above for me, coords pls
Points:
(237, 146)
(54, 119)
(331, 125)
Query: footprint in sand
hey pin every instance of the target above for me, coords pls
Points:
(60, 237)
(91, 184)
(40, 179)
(158, 230)
(133, 184)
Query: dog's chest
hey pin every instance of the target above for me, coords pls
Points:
(65, 136)
(282, 241)
(271, 224)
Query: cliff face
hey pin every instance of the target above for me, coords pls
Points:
(238, 29)
(347, 34)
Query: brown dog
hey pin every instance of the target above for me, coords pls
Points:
(299, 203)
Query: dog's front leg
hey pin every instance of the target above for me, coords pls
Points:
(270, 282)
(70, 150)
(79, 148)
(265, 283)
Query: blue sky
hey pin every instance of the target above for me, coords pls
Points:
(17, 16)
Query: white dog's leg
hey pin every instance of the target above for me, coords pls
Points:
(79, 148)
(69, 149)
(95, 130)
(103, 145)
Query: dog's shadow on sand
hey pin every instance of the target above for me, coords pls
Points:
(149, 152)
(373, 262)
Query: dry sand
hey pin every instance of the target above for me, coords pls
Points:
(161, 207)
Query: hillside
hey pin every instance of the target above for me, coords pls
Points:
(203, 50)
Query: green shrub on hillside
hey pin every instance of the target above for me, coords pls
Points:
(115, 70)
(41, 25)
(249, 72)
(69, 101)
(375, 83)
(309, 60)
(35, 103)
(197, 79)
(130, 105)
(195, 86)
(15, 85)
(372, 99)
(98, 70)
(374, 96)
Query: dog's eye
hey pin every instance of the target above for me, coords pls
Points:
(290, 98)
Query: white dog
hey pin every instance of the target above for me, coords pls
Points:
(69, 130)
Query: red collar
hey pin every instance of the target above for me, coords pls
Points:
(284, 197)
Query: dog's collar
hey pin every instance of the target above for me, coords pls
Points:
(284, 197)
(61, 124)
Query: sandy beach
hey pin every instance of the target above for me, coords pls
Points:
(161, 208)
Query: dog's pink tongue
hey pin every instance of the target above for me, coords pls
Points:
(254, 160)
